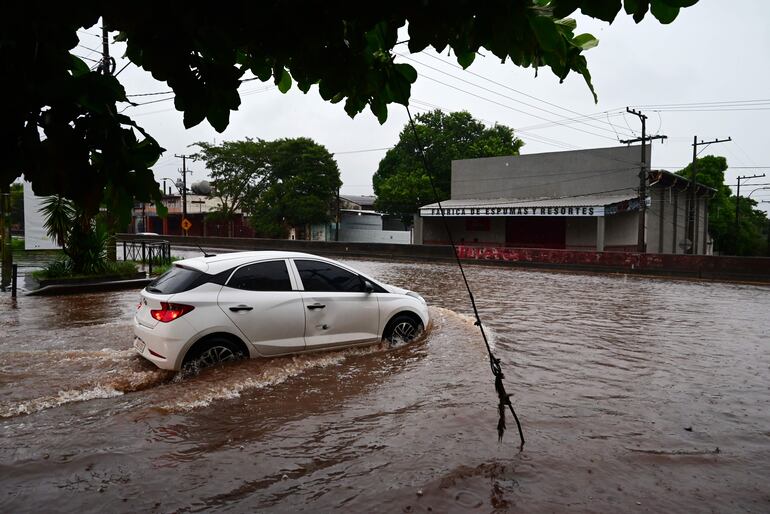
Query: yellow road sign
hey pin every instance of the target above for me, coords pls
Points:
(186, 224)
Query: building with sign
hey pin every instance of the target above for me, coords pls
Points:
(575, 200)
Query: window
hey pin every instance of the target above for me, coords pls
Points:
(322, 276)
(262, 276)
(177, 280)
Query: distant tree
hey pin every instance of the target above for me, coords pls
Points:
(748, 238)
(401, 182)
(300, 189)
(239, 171)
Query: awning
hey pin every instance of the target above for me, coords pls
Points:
(585, 205)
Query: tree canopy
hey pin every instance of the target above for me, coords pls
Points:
(401, 183)
(301, 186)
(61, 127)
(238, 170)
(746, 238)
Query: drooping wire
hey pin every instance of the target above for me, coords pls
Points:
(494, 362)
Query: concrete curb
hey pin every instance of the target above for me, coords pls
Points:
(90, 287)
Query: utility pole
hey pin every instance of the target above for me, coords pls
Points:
(184, 173)
(107, 67)
(692, 217)
(738, 199)
(768, 230)
(6, 248)
(641, 244)
(337, 228)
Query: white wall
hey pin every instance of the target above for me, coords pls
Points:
(35, 237)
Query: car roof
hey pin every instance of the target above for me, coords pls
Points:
(218, 263)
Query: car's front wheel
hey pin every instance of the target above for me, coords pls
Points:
(403, 329)
(212, 353)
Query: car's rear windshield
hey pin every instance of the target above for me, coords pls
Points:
(176, 280)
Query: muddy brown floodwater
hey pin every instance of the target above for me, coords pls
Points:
(636, 394)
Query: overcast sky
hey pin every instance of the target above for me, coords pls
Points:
(715, 51)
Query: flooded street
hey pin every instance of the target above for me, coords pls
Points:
(635, 394)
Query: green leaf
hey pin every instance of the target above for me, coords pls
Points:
(283, 81)
(465, 59)
(219, 118)
(407, 72)
(585, 41)
(546, 33)
(663, 11)
(638, 8)
(569, 23)
(605, 10)
(78, 67)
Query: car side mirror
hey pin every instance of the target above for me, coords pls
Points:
(368, 287)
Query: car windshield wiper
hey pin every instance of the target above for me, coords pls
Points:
(153, 289)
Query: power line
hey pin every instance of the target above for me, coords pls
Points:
(86, 58)
(85, 33)
(495, 92)
(534, 137)
(362, 151)
(507, 87)
(724, 102)
(89, 48)
(152, 94)
(515, 109)
(713, 110)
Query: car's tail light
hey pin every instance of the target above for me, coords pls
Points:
(170, 311)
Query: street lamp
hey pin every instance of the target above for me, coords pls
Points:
(757, 189)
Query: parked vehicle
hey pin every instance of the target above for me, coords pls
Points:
(208, 310)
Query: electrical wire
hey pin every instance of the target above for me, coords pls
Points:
(497, 93)
(86, 58)
(507, 87)
(514, 108)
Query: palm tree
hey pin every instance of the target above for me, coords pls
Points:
(59, 214)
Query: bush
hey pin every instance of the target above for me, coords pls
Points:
(63, 269)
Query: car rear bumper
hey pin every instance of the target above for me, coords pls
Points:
(162, 349)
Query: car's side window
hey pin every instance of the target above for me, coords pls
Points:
(262, 276)
(322, 276)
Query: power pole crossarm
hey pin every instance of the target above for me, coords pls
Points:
(641, 244)
(691, 222)
(738, 199)
(184, 173)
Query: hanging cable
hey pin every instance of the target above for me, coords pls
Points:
(494, 362)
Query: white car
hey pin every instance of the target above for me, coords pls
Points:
(207, 310)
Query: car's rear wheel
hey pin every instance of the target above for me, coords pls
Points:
(212, 353)
(403, 329)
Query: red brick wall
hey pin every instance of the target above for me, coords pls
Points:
(700, 265)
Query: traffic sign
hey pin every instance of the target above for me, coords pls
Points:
(186, 224)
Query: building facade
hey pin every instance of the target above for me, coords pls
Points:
(575, 200)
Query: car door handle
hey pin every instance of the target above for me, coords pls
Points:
(316, 306)
(241, 308)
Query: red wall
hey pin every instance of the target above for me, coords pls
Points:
(696, 265)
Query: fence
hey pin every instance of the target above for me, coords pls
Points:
(147, 251)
